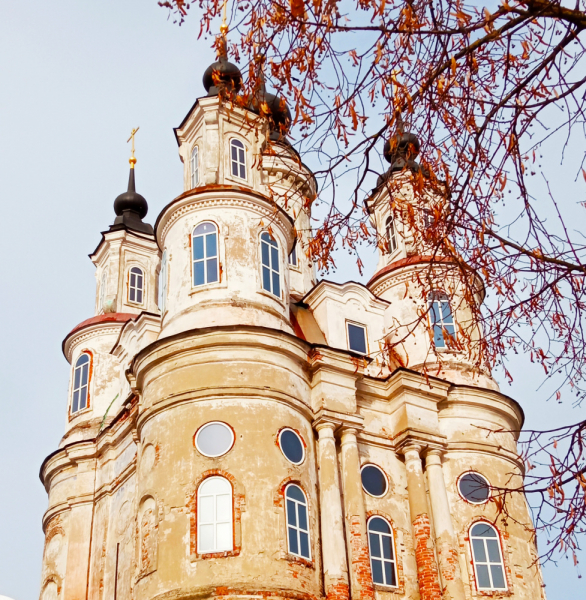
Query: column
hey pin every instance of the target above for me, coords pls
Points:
(334, 561)
(356, 538)
(445, 539)
(427, 572)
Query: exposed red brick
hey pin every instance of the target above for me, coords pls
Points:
(338, 591)
(360, 560)
(427, 572)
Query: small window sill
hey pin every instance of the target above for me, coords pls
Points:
(272, 296)
(236, 180)
(212, 555)
(79, 413)
(299, 560)
(393, 589)
(196, 289)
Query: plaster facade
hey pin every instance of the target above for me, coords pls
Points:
(125, 501)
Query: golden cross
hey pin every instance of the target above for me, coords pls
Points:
(132, 160)
(224, 26)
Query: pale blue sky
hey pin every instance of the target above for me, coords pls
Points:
(75, 78)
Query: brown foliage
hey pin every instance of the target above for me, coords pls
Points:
(484, 91)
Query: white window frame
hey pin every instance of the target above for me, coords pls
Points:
(135, 287)
(203, 427)
(240, 161)
(363, 327)
(270, 267)
(205, 258)
(87, 365)
(391, 233)
(438, 298)
(382, 559)
(194, 166)
(214, 520)
(477, 474)
(292, 259)
(382, 473)
(296, 527)
(487, 563)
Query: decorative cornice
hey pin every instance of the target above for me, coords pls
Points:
(95, 326)
(206, 196)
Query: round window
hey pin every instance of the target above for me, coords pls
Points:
(374, 480)
(214, 439)
(291, 446)
(474, 488)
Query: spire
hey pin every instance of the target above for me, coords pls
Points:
(130, 207)
(222, 75)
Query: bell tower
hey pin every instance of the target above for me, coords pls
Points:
(433, 304)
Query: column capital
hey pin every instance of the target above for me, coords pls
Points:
(433, 456)
(328, 419)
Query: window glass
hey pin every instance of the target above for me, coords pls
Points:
(474, 487)
(291, 446)
(297, 522)
(441, 318)
(382, 552)
(357, 338)
(135, 285)
(214, 439)
(81, 376)
(428, 219)
(293, 256)
(487, 557)
(194, 166)
(205, 254)
(238, 159)
(214, 515)
(269, 252)
(391, 234)
(374, 481)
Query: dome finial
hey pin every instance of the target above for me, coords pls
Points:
(222, 75)
(132, 159)
(224, 25)
(130, 207)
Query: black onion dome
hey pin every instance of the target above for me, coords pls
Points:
(222, 74)
(279, 113)
(131, 208)
(401, 150)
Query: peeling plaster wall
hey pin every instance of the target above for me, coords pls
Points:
(123, 490)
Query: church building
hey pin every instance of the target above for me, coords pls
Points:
(234, 427)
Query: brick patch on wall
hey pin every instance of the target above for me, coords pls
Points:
(360, 561)
(427, 574)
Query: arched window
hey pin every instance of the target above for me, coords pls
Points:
(391, 234)
(194, 166)
(297, 522)
(205, 254)
(103, 284)
(381, 546)
(214, 516)
(271, 281)
(136, 285)
(163, 282)
(238, 159)
(441, 318)
(487, 557)
(81, 383)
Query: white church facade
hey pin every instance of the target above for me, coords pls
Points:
(231, 430)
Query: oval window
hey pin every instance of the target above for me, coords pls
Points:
(291, 446)
(474, 488)
(374, 480)
(214, 439)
